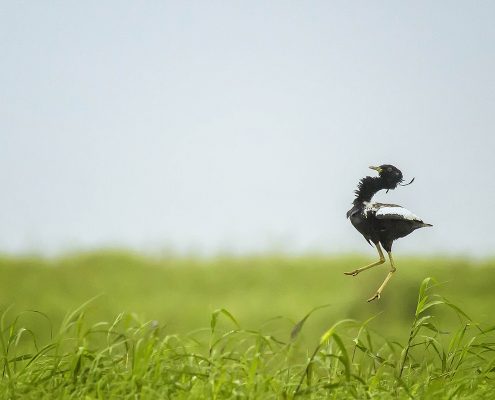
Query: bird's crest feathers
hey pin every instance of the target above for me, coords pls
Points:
(366, 188)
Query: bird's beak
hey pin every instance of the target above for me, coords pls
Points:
(377, 169)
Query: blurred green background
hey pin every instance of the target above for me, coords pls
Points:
(264, 292)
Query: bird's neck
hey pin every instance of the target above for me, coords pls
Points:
(367, 187)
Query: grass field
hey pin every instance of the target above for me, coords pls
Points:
(244, 328)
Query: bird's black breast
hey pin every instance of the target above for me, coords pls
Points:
(354, 210)
(363, 223)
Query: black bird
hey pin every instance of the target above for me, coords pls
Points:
(381, 223)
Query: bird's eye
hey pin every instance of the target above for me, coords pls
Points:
(389, 169)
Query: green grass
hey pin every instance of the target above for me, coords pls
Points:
(243, 328)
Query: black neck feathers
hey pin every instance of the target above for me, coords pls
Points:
(367, 187)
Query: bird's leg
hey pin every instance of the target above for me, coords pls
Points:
(390, 273)
(380, 261)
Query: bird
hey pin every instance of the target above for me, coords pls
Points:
(381, 224)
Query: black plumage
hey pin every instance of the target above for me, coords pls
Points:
(381, 224)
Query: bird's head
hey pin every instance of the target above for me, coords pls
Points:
(391, 176)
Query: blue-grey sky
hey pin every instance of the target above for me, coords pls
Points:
(243, 126)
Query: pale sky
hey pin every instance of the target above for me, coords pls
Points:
(243, 127)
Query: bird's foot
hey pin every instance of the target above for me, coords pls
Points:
(376, 296)
(352, 273)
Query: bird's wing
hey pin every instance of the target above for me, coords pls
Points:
(393, 211)
(372, 208)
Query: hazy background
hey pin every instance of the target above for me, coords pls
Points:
(242, 126)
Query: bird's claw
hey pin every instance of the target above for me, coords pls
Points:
(376, 296)
(352, 273)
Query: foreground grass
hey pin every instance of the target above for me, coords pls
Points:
(129, 359)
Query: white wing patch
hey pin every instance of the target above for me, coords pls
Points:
(398, 212)
(389, 211)
(370, 208)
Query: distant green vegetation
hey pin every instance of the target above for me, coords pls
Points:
(236, 328)
(181, 293)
